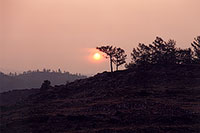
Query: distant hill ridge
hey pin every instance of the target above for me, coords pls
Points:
(34, 79)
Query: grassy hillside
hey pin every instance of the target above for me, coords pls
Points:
(144, 99)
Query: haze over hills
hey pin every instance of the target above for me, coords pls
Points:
(34, 79)
(59, 33)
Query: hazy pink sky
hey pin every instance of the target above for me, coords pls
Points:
(36, 34)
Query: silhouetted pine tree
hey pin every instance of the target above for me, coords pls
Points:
(159, 52)
(109, 51)
(196, 48)
(163, 52)
(184, 56)
(119, 57)
(141, 54)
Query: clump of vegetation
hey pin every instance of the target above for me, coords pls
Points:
(46, 85)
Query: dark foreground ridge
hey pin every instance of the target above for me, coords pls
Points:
(151, 99)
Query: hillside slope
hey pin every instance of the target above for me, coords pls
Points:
(152, 99)
(33, 79)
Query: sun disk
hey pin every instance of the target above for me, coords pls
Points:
(97, 56)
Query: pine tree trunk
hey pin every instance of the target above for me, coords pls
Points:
(117, 66)
(111, 67)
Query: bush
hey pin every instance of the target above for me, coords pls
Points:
(46, 85)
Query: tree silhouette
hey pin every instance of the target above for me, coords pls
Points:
(184, 56)
(46, 84)
(141, 54)
(119, 57)
(196, 48)
(163, 52)
(159, 52)
(110, 52)
(59, 70)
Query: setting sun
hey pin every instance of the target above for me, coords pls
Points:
(97, 56)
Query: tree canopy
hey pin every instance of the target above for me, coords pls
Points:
(164, 53)
(109, 51)
(116, 55)
(196, 48)
(119, 57)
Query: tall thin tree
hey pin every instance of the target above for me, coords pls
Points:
(119, 57)
(196, 48)
(109, 51)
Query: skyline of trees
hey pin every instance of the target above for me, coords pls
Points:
(158, 52)
(44, 70)
(165, 53)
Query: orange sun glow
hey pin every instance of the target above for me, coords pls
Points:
(97, 56)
